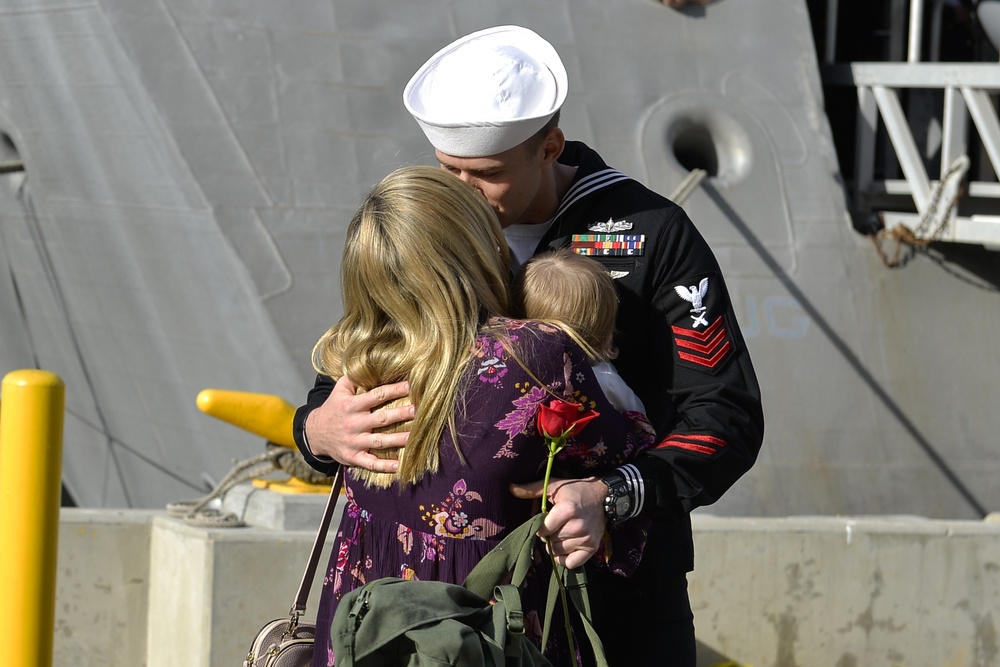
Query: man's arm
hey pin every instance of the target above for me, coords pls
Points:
(575, 525)
(708, 416)
(335, 425)
(709, 411)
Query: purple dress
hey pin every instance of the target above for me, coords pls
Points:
(441, 527)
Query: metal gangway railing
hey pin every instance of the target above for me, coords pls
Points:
(936, 190)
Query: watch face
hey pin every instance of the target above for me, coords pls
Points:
(618, 503)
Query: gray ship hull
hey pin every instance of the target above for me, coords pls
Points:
(189, 169)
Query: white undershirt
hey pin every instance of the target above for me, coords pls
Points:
(618, 393)
(522, 241)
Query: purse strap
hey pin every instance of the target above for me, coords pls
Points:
(299, 605)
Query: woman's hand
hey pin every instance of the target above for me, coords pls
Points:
(341, 428)
(575, 524)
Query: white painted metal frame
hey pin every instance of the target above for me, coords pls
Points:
(966, 88)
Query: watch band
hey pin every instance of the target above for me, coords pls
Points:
(619, 503)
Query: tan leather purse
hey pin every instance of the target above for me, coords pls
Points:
(288, 642)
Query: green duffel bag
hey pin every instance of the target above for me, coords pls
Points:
(392, 621)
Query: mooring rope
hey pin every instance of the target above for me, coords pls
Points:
(919, 237)
(276, 458)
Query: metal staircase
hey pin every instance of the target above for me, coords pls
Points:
(927, 137)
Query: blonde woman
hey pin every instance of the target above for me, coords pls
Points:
(425, 291)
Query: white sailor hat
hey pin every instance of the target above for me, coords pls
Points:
(487, 92)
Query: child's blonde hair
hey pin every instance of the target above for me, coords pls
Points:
(573, 290)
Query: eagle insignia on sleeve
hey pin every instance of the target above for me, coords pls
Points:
(695, 296)
(703, 343)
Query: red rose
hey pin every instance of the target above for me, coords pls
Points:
(560, 419)
(556, 422)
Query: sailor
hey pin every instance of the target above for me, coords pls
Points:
(489, 103)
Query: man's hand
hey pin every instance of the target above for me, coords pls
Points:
(341, 428)
(575, 524)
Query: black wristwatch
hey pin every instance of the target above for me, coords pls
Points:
(619, 501)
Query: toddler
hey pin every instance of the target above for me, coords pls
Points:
(575, 291)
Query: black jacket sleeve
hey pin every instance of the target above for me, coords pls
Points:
(709, 415)
(317, 396)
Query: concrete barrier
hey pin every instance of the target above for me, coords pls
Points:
(848, 592)
(139, 588)
(102, 588)
(211, 589)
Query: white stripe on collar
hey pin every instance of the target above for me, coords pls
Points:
(587, 185)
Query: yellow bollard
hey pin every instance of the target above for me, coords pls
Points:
(265, 415)
(31, 432)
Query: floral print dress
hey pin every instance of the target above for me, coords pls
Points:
(440, 528)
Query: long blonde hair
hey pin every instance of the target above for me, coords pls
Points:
(425, 263)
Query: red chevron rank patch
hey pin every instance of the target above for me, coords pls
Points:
(707, 348)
